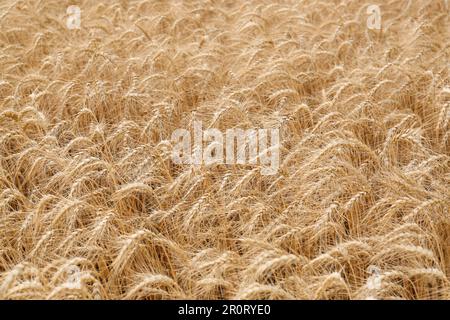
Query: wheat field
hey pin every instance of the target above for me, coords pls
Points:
(93, 207)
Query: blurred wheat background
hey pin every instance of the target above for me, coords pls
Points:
(93, 207)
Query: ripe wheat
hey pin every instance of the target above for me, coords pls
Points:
(93, 207)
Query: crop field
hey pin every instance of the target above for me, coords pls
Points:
(356, 204)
